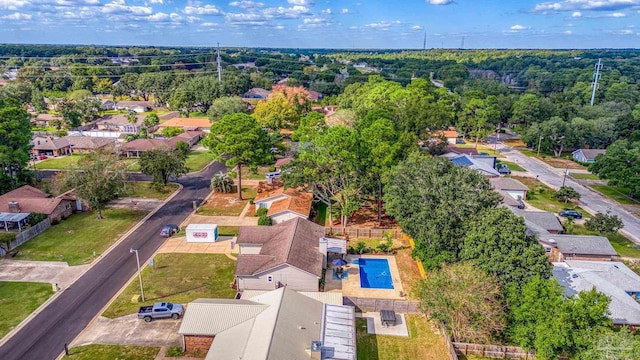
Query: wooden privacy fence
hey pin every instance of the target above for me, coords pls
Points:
(30, 233)
(493, 351)
(355, 233)
(372, 304)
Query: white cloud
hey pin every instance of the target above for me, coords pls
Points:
(344, 11)
(17, 16)
(382, 25)
(158, 17)
(618, 15)
(518, 27)
(12, 4)
(568, 32)
(326, 11)
(440, 2)
(202, 10)
(576, 14)
(417, 27)
(245, 4)
(156, 1)
(209, 24)
(594, 5)
(301, 2)
(263, 16)
(626, 32)
(120, 7)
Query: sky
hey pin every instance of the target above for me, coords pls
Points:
(346, 24)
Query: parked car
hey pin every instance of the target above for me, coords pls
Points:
(169, 230)
(160, 310)
(520, 203)
(459, 141)
(42, 157)
(504, 169)
(574, 214)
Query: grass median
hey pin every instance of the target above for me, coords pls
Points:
(178, 278)
(76, 238)
(111, 352)
(18, 300)
(422, 343)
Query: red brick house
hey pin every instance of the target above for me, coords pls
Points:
(27, 199)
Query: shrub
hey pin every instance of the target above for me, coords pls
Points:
(34, 218)
(272, 168)
(361, 248)
(175, 351)
(264, 220)
(604, 223)
(262, 212)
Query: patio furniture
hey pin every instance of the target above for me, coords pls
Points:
(388, 318)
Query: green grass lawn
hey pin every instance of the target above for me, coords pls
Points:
(512, 166)
(541, 197)
(112, 352)
(616, 193)
(228, 230)
(144, 190)
(321, 210)
(622, 245)
(481, 148)
(198, 159)
(197, 114)
(178, 278)
(133, 164)
(76, 238)
(18, 300)
(581, 176)
(259, 175)
(60, 163)
(422, 342)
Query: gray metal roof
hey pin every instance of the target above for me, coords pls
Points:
(338, 333)
(475, 163)
(612, 278)
(581, 244)
(211, 317)
(13, 217)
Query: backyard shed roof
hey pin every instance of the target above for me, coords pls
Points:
(13, 217)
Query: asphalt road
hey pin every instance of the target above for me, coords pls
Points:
(64, 318)
(588, 198)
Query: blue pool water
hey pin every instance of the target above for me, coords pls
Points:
(375, 273)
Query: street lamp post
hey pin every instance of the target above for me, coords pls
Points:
(539, 142)
(139, 272)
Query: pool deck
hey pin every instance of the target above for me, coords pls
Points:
(351, 286)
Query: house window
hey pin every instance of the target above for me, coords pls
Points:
(270, 278)
(547, 250)
(263, 206)
(68, 206)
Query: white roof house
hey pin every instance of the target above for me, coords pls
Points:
(277, 324)
(612, 278)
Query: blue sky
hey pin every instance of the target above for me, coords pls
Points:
(325, 23)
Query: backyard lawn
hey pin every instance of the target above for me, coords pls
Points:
(321, 213)
(144, 190)
(541, 197)
(227, 204)
(512, 166)
(582, 176)
(423, 343)
(75, 239)
(178, 278)
(111, 352)
(622, 245)
(62, 163)
(616, 193)
(198, 159)
(259, 175)
(18, 300)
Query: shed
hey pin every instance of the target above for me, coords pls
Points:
(202, 232)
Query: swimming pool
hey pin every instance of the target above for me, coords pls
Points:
(375, 273)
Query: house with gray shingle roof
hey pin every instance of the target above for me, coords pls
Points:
(277, 324)
(287, 253)
(540, 222)
(577, 247)
(587, 155)
(613, 279)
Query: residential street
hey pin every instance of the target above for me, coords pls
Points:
(589, 199)
(65, 317)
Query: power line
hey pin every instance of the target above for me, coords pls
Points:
(596, 76)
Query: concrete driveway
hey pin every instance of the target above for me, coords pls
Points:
(129, 330)
(53, 272)
(589, 199)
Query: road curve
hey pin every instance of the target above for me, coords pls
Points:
(589, 199)
(64, 318)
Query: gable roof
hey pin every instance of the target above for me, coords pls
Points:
(187, 123)
(581, 244)
(504, 183)
(119, 120)
(213, 316)
(145, 145)
(47, 117)
(590, 154)
(30, 200)
(543, 220)
(457, 150)
(293, 242)
(612, 278)
(256, 93)
(88, 142)
(449, 134)
(300, 203)
(129, 104)
(474, 163)
(52, 144)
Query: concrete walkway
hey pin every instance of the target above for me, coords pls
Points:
(53, 272)
(590, 200)
(129, 330)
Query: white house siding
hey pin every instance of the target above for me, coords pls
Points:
(249, 249)
(286, 275)
(284, 216)
(515, 194)
(579, 156)
(266, 203)
(452, 141)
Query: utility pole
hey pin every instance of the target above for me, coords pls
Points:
(462, 45)
(596, 76)
(539, 142)
(219, 65)
(424, 43)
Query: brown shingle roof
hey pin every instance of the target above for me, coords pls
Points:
(52, 144)
(296, 201)
(294, 242)
(122, 104)
(29, 199)
(187, 123)
(146, 145)
(88, 142)
(119, 119)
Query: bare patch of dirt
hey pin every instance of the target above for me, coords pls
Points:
(367, 217)
(563, 163)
